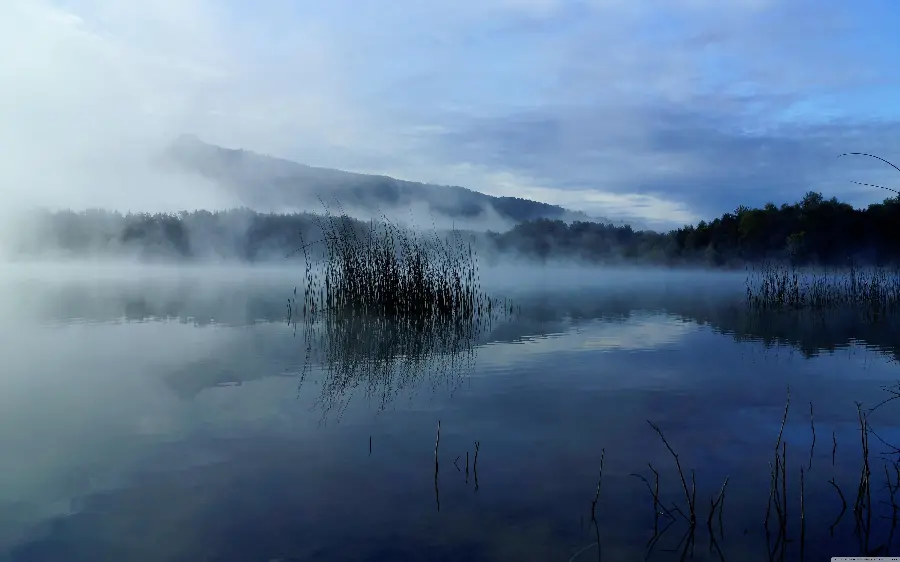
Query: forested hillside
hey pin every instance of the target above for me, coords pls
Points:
(265, 183)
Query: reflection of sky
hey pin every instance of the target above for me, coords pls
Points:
(637, 333)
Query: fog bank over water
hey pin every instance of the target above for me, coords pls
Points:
(504, 278)
(566, 274)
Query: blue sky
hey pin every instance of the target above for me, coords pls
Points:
(661, 111)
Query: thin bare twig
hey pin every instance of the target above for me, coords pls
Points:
(812, 424)
(599, 483)
(877, 158)
(802, 517)
(687, 495)
(719, 502)
(843, 506)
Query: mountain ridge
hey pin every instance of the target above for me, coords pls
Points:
(267, 183)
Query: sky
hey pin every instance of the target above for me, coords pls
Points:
(662, 112)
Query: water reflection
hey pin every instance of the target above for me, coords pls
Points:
(385, 356)
(247, 299)
(154, 436)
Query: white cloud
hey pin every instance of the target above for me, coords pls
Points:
(649, 209)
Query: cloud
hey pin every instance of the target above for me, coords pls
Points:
(680, 164)
(658, 111)
(715, 108)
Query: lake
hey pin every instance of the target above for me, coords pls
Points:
(168, 415)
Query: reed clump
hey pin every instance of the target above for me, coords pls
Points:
(778, 286)
(382, 305)
(392, 271)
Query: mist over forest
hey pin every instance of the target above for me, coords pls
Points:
(268, 184)
(274, 206)
(814, 230)
(280, 205)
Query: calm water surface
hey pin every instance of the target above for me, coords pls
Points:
(168, 416)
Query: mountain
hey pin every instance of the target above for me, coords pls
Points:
(264, 183)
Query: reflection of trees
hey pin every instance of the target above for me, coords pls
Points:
(809, 332)
(812, 333)
(195, 301)
(397, 350)
(386, 356)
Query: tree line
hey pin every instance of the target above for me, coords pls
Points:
(813, 230)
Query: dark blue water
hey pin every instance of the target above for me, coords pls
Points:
(149, 415)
